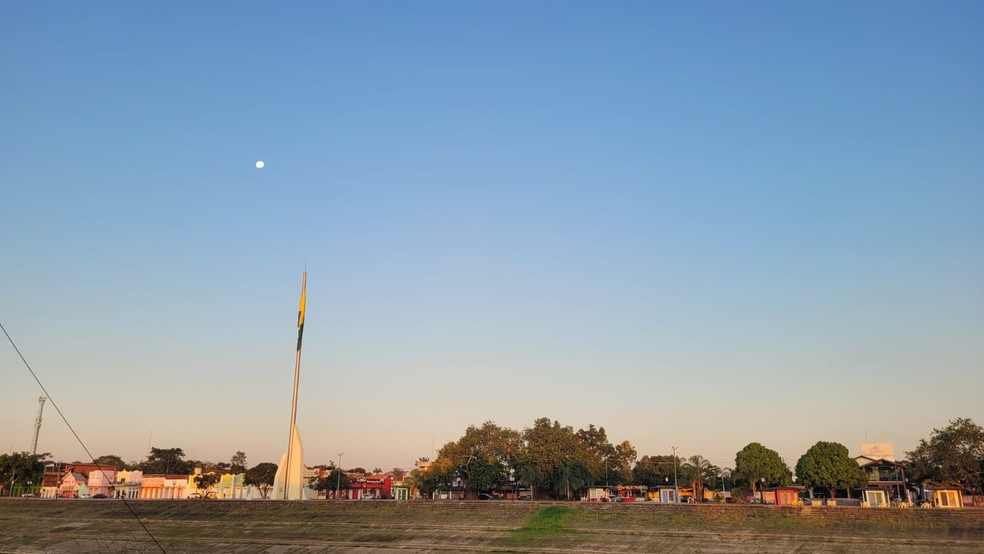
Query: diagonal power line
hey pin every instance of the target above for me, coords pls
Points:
(76, 435)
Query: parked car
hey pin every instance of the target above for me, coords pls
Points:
(100, 495)
(485, 496)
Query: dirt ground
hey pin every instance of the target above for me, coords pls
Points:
(270, 527)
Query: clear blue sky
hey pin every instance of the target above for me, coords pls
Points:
(697, 224)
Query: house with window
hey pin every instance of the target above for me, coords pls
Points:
(128, 483)
(102, 481)
(886, 476)
(371, 486)
(73, 485)
(231, 486)
(944, 495)
(170, 487)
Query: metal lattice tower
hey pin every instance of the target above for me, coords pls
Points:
(37, 424)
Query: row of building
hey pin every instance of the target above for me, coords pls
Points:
(82, 480)
(886, 485)
(86, 480)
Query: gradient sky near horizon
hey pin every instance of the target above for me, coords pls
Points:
(697, 224)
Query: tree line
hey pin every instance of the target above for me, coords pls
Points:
(555, 461)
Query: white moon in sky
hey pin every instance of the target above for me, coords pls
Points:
(260, 164)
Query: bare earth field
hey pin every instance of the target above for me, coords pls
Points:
(33, 525)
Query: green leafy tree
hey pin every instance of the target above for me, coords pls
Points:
(714, 479)
(166, 460)
(110, 461)
(952, 454)
(21, 468)
(527, 474)
(623, 461)
(205, 482)
(695, 471)
(439, 475)
(487, 474)
(599, 457)
(653, 471)
(549, 446)
(570, 477)
(828, 465)
(261, 476)
(756, 462)
(335, 480)
(481, 457)
(238, 462)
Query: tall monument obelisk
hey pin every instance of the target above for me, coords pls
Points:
(288, 484)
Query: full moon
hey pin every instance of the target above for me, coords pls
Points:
(260, 164)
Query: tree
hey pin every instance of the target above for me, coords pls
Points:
(599, 457)
(166, 460)
(261, 476)
(756, 462)
(653, 471)
(21, 468)
(205, 482)
(571, 476)
(398, 473)
(714, 478)
(828, 465)
(480, 458)
(952, 454)
(335, 480)
(110, 461)
(238, 462)
(548, 447)
(695, 471)
(437, 476)
(623, 461)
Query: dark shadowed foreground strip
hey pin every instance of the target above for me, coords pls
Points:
(32, 525)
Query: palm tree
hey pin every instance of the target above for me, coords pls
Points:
(571, 475)
(697, 465)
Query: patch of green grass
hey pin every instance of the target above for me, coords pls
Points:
(550, 521)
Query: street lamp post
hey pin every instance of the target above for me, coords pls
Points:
(338, 482)
(676, 489)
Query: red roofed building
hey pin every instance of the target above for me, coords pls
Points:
(371, 486)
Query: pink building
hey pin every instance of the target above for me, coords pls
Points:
(71, 485)
(102, 481)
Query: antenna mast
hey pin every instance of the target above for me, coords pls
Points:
(37, 424)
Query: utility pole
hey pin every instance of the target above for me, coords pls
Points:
(37, 425)
(676, 489)
(338, 484)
